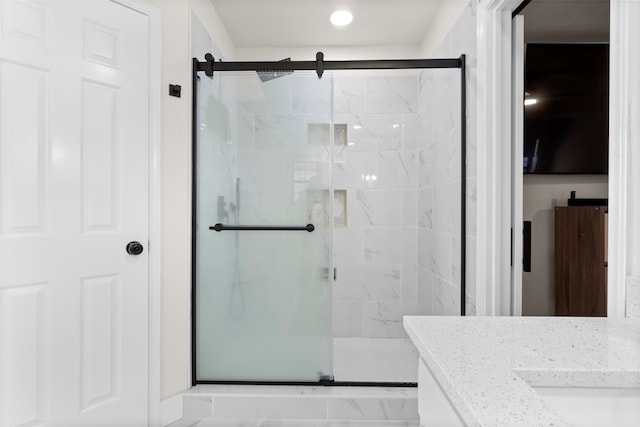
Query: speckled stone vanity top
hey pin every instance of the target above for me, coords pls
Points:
(487, 365)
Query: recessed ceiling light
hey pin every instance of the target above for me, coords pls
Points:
(530, 101)
(340, 18)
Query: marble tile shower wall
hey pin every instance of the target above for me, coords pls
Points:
(375, 253)
(439, 218)
(395, 255)
(273, 141)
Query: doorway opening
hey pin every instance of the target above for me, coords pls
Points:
(565, 158)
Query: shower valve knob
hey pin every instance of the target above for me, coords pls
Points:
(134, 248)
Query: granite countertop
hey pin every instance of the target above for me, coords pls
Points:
(487, 365)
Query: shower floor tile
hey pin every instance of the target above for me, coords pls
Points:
(375, 360)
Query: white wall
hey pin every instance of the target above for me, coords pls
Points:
(175, 164)
(331, 53)
(442, 25)
(541, 193)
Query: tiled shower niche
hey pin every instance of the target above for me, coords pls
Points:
(319, 142)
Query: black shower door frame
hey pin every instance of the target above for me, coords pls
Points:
(209, 66)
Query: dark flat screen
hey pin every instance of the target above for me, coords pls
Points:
(567, 130)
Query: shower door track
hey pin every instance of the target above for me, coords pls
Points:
(210, 65)
(311, 383)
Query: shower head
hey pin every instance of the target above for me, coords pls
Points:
(267, 75)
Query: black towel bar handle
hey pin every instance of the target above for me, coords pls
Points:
(222, 227)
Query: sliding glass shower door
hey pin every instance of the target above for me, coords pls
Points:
(262, 245)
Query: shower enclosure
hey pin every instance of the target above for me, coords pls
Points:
(320, 199)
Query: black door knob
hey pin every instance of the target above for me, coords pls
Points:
(134, 248)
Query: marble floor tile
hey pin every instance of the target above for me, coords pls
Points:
(272, 407)
(373, 409)
(184, 423)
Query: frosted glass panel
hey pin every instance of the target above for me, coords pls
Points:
(263, 310)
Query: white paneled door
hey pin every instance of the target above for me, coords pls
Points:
(74, 141)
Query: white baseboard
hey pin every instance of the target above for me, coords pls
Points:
(171, 409)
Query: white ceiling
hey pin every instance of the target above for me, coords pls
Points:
(305, 23)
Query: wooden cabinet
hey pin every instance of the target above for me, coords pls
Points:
(580, 261)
